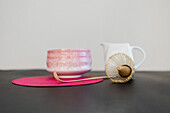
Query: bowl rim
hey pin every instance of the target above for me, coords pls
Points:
(68, 50)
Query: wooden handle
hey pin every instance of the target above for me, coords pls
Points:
(124, 71)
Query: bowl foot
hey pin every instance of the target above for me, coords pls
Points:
(70, 76)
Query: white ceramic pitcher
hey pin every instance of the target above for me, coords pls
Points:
(112, 48)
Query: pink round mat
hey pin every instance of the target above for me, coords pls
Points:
(51, 81)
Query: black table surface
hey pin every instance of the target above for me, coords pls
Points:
(148, 92)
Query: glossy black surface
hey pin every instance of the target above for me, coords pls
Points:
(148, 92)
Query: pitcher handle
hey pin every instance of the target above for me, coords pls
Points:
(144, 55)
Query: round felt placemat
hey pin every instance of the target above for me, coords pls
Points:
(51, 81)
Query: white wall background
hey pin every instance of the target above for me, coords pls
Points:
(28, 28)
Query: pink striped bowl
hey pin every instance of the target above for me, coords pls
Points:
(69, 63)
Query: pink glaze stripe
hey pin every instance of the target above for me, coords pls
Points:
(51, 81)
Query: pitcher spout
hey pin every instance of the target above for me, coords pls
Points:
(105, 46)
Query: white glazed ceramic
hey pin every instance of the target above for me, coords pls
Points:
(113, 48)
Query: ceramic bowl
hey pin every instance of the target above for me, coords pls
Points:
(69, 63)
